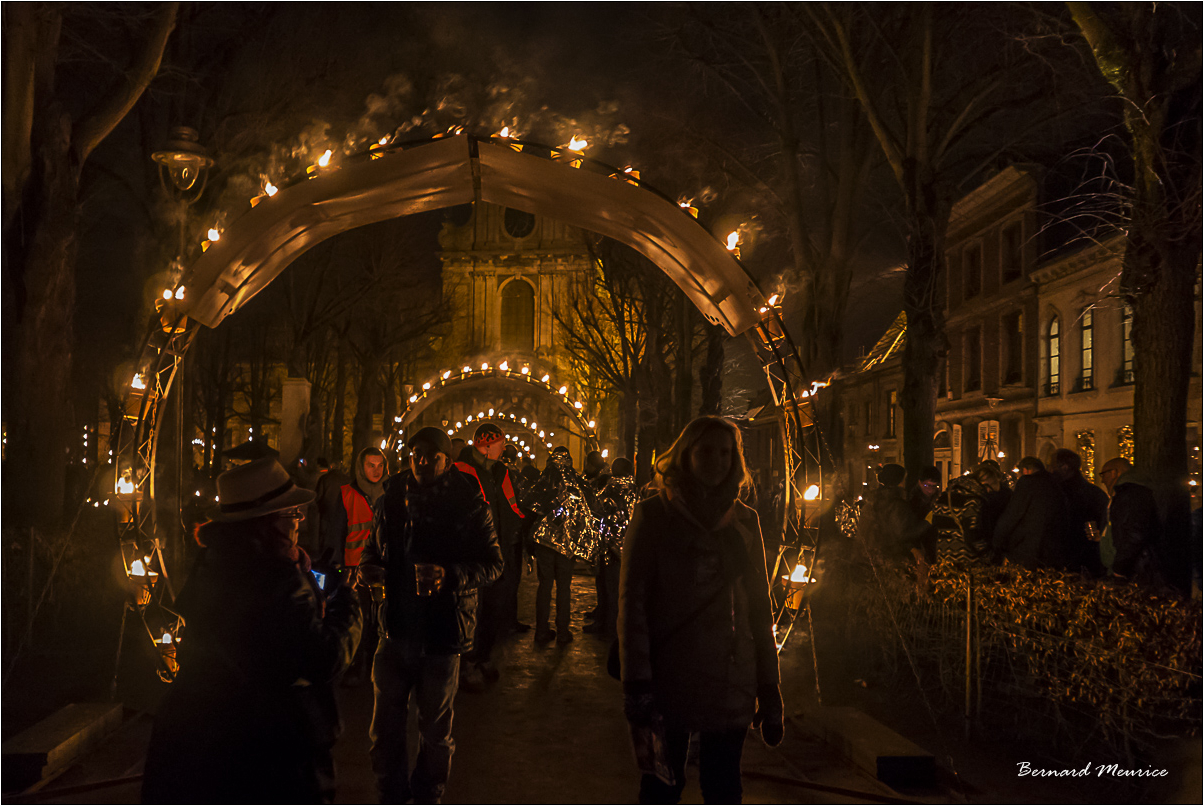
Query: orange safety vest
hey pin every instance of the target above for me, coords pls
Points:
(507, 487)
(359, 524)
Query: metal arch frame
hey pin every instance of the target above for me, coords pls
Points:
(227, 284)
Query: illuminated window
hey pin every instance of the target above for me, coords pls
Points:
(1126, 344)
(1087, 350)
(1054, 351)
(518, 316)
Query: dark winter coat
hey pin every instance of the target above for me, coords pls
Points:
(957, 518)
(1086, 504)
(446, 523)
(501, 493)
(1033, 530)
(565, 504)
(251, 717)
(1136, 530)
(889, 526)
(694, 614)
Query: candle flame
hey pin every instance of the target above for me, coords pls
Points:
(577, 144)
(563, 389)
(505, 132)
(324, 160)
(180, 292)
(384, 141)
(214, 235)
(167, 293)
(732, 240)
(270, 189)
(504, 366)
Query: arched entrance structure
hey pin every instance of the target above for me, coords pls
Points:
(398, 179)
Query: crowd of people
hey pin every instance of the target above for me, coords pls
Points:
(1043, 518)
(425, 566)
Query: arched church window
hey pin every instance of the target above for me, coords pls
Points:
(518, 223)
(518, 316)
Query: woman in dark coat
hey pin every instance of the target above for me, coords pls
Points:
(251, 717)
(695, 624)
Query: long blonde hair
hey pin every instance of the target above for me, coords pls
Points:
(673, 465)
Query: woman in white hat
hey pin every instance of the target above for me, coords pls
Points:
(251, 715)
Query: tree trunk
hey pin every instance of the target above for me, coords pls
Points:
(683, 380)
(925, 342)
(712, 372)
(38, 411)
(365, 397)
(630, 424)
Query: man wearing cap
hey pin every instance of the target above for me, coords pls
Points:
(481, 460)
(434, 546)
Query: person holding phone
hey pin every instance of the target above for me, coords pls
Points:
(251, 716)
(434, 546)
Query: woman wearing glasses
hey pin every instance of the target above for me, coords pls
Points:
(251, 715)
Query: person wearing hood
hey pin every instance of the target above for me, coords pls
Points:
(346, 527)
(251, 715)
(565, 503)
(696, 645)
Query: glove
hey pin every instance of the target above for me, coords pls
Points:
(639, 704)
(770, 716)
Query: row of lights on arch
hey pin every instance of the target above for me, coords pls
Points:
(448, 378)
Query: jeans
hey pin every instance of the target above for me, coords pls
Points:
(718, 767)
(396, 672)
(552, 566)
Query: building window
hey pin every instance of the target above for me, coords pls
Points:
(869, 418)
(1013, 345)
(1085, 445)
(1054, 351)
(1087, 349)
(973, 380)
(518, 223)
(892, 403)
(1126, 344)
(1011, 252)
(972, 271)
(518, 316)
(1124, 441)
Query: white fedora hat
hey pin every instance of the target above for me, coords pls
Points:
(257, 488)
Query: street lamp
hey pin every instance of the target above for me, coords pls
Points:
(183, 162)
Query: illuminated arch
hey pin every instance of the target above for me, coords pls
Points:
(390, 181)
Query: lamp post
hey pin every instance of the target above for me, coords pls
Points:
(183, 171)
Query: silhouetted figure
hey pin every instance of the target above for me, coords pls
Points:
(1033, 529)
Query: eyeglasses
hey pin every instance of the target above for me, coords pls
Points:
(293, 513)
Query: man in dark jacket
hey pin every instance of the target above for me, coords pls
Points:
(1088, 514)
(1032, 529)
(888, 524)
(435, 547)
(482, 460)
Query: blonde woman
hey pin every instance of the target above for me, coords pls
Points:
(696, 640)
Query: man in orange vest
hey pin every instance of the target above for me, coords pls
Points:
(346, 528)
(481, 461)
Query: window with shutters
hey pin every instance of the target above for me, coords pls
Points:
(518, 316)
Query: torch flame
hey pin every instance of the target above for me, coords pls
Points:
(167, 293)
(384, 141)
(269, 188)
(180, 293)
(732, 240)
(137, 569)
(812, 493)
(505, 132)
(124, 486)
(214, 235)
(138, 382)
(578, 144)
(773, 300)
(166, 639)
(799, 574)
(324, 160)
(504, 366)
